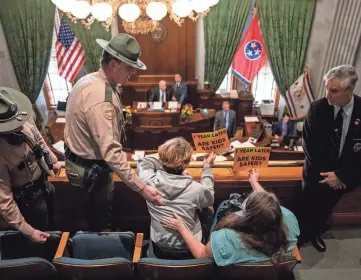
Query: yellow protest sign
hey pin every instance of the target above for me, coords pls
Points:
(255, 157)
(216, 141)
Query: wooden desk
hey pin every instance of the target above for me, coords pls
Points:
(149, 129)
(130, 211)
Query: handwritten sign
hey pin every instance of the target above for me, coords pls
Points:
(255, 157)
(216, 141)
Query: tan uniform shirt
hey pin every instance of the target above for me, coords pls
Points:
(11, 157)
(92, 127)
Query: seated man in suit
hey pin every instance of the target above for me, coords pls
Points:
(284, 127)
(160, 93)
(226, 118)
(179, 89)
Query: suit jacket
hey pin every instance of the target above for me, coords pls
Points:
(155, 95)
(316, 130)
(220, 122)
(180, 92)
(278, 128)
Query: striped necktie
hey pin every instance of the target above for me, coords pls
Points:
(336, 135)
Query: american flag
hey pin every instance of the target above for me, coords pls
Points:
(69, 52)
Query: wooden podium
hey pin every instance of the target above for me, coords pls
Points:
(149, 129)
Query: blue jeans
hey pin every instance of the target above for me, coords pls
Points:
(215, 220)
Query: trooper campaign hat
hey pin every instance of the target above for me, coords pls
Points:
(15, 109)
(124, 48)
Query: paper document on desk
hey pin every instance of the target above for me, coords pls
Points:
(59, 146)
(220, 159)
(157, 105)
(60, 114)
(298, 148)
(173, 105)
(251, 119)
(237, 144)
(138, 155)
(155, 155)
(197, 155)
(60, 120)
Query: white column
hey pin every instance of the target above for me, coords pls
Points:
(114, 26)
(344, 40)
(200, 53)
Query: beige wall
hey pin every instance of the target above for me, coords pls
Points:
(7, 74)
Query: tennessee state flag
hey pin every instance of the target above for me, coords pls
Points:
(250, 55)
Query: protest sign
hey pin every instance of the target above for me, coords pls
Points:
(216, 141)
(247, 158)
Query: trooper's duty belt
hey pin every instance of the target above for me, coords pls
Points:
(26, 192)
(86, 163)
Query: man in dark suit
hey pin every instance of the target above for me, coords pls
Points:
(179, 89)
(160, 93)
(284, 127)
(226, 118)
(332, 144)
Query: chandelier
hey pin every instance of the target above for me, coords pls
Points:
(138, 16)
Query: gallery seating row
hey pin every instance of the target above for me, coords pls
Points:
(115, 255)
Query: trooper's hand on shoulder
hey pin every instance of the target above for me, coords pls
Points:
(153, 195)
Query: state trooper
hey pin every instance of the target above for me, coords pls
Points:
(93, 127)
(25, 163)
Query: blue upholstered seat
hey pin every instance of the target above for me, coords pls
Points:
(27, 269)
(15, 245)
(23, 259)
(259, 271)
(97, 256)
(158, 269)
(93, 246)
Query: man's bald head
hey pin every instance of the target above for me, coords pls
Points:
(162, 85)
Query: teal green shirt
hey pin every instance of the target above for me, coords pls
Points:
(228, 247)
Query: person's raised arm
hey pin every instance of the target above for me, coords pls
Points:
(147, 168)
(207, 180)
(253, 175)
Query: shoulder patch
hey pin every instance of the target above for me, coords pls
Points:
(108, 111)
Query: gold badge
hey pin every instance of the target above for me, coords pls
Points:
(108, 111)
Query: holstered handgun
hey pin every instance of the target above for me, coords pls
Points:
(91, 177)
